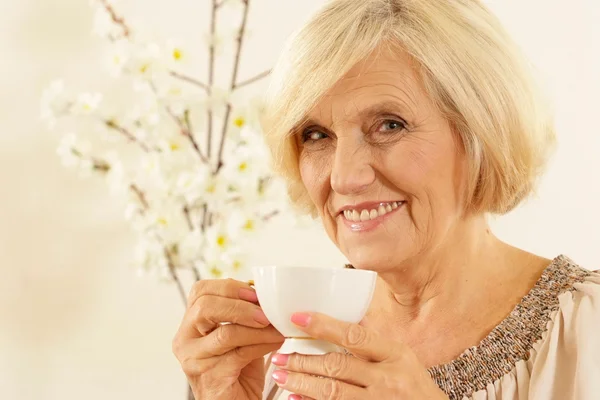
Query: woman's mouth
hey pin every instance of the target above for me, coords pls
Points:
(367, 218)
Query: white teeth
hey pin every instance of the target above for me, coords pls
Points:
(366, 215)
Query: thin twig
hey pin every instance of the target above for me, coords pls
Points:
(236, 66)
(270, 215)
(205, 216)
(196, 273)
(188, 218)
(130, 136)
(189, 79)
(211, 75)
(174, 275)
(252, 80)
(140, 195)
(115, 17)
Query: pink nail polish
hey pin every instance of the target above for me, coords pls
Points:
(294, 397)
(301, 319)
(280, 360)
(280, 376)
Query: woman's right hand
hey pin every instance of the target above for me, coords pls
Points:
(224, 361)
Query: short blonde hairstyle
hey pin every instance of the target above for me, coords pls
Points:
(470, 67)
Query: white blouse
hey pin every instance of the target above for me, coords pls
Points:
(547, 348)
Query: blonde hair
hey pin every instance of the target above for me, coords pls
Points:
(470, 67)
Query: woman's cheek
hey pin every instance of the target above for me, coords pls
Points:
(315, 175)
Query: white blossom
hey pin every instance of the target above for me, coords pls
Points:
(53, 102)
(86, 103)
(116, 178)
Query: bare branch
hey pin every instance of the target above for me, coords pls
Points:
(211, 75)
(253, 79)
(116, 18)
(185, 131)
(189, 79)
(188, 218)
(270, 215)
(140, 195)
(236, 66)
(173, 273)
(128, 135)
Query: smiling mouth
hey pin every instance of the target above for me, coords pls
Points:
(371, 214)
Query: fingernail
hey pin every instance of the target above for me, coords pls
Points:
(280, 376)
(280, 360)
(248, 295)
(295, 397)
(301, 319)
(259, 316)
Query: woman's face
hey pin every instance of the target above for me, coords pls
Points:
(382, 165)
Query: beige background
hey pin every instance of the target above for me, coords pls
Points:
(75, 321)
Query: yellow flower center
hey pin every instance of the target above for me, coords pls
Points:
(177, 54)
(237, 264)
(174, 146)
(144, 68)
(211, 187)
(239, 122)
(249, 225)
(162, 221)
(216, 272)
(243, 166)
(221, 240)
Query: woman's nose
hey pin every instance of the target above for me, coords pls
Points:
(352, 172)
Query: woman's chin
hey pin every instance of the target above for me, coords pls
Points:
(378, 261)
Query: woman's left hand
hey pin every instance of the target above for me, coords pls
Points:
(379, 369)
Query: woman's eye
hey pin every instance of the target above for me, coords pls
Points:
(313, 136)
(391, 125)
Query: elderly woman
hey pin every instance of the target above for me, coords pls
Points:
(402, 124)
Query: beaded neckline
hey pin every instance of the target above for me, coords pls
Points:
(513, 339)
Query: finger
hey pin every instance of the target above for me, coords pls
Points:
(333, 365)
(229, 364)
(224, 288)
(228, 337)
(360, 341)
(210, 311)
(317, 388)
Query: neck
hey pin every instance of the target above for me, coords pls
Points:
(446, 279)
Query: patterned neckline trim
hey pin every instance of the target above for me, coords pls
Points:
(512, 340)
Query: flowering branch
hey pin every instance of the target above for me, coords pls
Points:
(187, 213)
(236, 65)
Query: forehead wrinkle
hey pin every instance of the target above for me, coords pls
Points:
(404, 96)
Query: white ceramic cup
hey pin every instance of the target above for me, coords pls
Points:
(344, 294)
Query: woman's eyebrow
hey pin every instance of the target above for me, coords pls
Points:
(396, 107)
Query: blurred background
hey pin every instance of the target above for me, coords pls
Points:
(76, 321)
